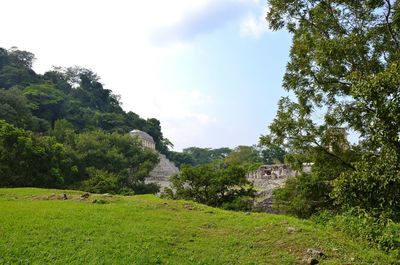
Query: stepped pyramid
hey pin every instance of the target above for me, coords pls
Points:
(163, 171)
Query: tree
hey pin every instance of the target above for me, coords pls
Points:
(14, 108)
(153, 127)
(86, 143)
(180, 158)
(111, 153)
(246, 156)
(272, 154)
(21, 58)
(15, 68)
(28, 160)
(45, 101)
(203, 156)
(344, 65)
(218, 186)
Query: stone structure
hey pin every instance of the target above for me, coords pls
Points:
(265, 180)
(270, 177)
(272, 172)
(146, 139)
(163, 171)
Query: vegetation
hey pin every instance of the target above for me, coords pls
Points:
(199, 156)
(343, 67)
(38, 227)
(63, 129)
(250, 157)
(217, 185)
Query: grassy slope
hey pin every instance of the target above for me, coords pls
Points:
(148, 230)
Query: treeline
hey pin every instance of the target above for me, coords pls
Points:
(63, 129)
(248, 156)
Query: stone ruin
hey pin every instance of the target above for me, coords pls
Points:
(163, 171)
(269, 172)
(265, 180)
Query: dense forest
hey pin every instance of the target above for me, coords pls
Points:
(64, 129)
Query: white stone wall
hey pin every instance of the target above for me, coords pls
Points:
(162, 173)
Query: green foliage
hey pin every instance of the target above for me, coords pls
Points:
(343, 71)
(218, 186)
(303, 195)
(100, 182)
(272, 154)
(373, 186)
(115, 154)
(83, 131)
(63, 131)
(309, 193)
(180, 158)
(358, 223)
(74, 94)
(202, 156)
(15, 68)
(45, 101)
(110, 152)
(14, 108)
(30, 160)
(247, 157)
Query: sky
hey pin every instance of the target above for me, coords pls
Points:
(209, 70)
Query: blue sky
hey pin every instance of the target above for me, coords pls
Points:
(210, 71)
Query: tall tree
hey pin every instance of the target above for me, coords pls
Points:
(344, 67)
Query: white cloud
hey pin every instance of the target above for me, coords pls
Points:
(254, 26)
(116, 39)
(203, 19)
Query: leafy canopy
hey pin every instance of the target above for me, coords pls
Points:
(344, 73)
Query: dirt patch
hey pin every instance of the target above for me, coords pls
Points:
(67, 197)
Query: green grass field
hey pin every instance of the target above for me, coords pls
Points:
(38, 227)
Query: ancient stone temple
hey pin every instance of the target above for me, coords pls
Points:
(265, 180)
(146, 139)
(269, 177)
(163, 171)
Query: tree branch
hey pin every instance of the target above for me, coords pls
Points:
(389, 28)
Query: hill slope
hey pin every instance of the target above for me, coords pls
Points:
(38, 227)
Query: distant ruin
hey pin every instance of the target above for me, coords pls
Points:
(268, 172)
(163, 171)
(269, 177)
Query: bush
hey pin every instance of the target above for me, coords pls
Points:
(215, 185)
(357, 222)
(303, 196)
(100, 182)
(373, 186)
(145, 188)
(31, 160)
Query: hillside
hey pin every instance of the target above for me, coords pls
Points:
(38, 226)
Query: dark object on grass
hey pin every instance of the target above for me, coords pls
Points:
(312, 261)
(85, 196)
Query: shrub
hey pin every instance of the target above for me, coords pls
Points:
(373, 186)
(215, 185)
(303, 196)
(100, 181)
(359, 223)
(31, 160)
